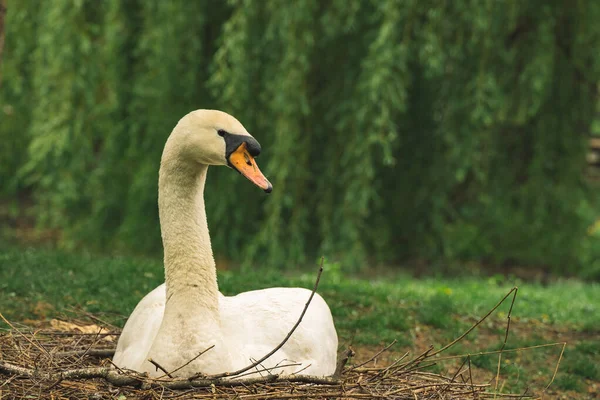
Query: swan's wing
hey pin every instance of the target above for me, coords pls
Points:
(140, 330)
(260, 319)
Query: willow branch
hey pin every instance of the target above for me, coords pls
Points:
(2, 14)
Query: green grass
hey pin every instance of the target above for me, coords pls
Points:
(569, 382)
(37, 284)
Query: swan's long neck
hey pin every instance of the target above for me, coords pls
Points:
(190, 272)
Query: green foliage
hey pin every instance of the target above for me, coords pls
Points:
(391, 130)
(393, 305)
(591, 348)
(569, 382)
(580, 364)
(487, 361)
(438, 311)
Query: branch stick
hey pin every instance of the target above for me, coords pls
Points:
(109, 374)
(383, 372)
(374, 356)
(470, 374)
(40, 347)
(90, 352)
(195, 376)
(458, 371)
(50, 332)
(484, 353)
(158, 366)
(343, 358)
(556, 368)
(284, 341)
(269, 370)
(516, 289)
(132, 378)
(461, 337)
(94, 318)
(415, 361)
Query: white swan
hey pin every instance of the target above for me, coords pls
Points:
(188, 314)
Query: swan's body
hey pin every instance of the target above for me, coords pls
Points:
(187, 314)
(252, 324)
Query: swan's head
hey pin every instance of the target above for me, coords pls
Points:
(212, 137)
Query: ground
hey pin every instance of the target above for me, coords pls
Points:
(42, 284)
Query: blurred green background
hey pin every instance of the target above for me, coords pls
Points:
(394, 132)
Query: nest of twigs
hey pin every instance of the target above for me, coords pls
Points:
(73, 364)
(69, 360)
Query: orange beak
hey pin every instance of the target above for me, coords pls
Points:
(246, 165)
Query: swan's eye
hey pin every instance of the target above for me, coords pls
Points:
(221, 132)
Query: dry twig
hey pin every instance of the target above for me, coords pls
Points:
(88, 352)
(158, 366)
